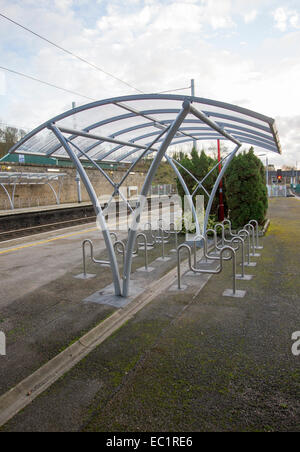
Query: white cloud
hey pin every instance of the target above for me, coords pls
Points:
(250, 16)
(284, 17)
(155, 46)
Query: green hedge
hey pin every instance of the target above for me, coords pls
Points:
(246, 190)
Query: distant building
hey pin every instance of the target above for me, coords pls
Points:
(288, 177)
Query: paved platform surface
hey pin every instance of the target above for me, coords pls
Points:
(194, 361)
(43, 208)
(42, 305)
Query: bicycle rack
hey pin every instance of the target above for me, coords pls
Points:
(175, 233)
(161, 239)
(226, 221)
(242, 276)
(86, 275)
(247, 226)
(121, 244)
(151, 234)
(205, 251)
(146, 268)
(161, 234)
(228, 292)
(250, 223)
(89, 242)
(223, 233)
(257, 235)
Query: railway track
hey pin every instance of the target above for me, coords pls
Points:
(32, 230)
(46, 226)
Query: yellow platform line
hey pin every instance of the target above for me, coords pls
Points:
(43, 242)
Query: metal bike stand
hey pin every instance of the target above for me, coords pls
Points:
(257, 246)
(86, 275)
(175, 233)
(150, 245)
(146, 268)
(242, 276)
(228, 292)
(247, 226)
(246, 234)
(163, 258)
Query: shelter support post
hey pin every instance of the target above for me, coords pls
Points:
(10, 199)
(147, 184)
(187, 192)
(56, 194)
(97, 207)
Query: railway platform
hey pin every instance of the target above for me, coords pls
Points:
(188, 360)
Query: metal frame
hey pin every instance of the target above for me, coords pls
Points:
(16, 179)
(192, 120)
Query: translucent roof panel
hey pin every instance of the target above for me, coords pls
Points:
(120, 129)
(28, 178)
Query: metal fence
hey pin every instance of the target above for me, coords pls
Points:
(22, 203)
(163, 189)
(277, 190)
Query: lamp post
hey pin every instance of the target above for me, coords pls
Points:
(193, 95)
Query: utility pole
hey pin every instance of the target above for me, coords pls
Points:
(193, 95)
(77, 178)
(221, 203)
(192, 87)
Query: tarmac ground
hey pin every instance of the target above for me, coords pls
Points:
(189, 361)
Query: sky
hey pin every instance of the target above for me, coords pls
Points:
(245, 52)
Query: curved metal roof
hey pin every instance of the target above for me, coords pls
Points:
(121, 129)
(29, 178)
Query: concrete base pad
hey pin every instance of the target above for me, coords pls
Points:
(83, 276)
(237, 294)
(244, 278)
(191, 273)
(255, 255)
(142, 269)
(252, 264)
(106, 296)
(207, 263)
(163, 259)
(174, 288)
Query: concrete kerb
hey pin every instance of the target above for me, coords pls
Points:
(265, 228)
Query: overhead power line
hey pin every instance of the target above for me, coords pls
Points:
(173, 90)
(71, 53)
(45, 83)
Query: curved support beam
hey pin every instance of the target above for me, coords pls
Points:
(9, 197)
(217, 183)
(186, 191)
(54, 192)
(97, 207)
(147, 184)
(193, 177)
